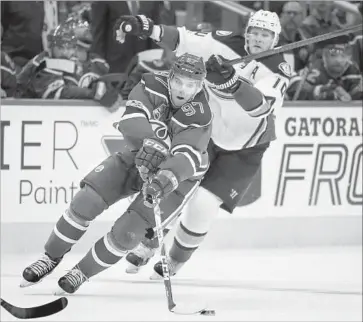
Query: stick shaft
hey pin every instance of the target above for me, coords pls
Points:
(164, 261)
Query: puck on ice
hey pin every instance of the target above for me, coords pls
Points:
(208, 312)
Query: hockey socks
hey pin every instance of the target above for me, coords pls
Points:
(101, 256)
(185, 243)
(65, 234)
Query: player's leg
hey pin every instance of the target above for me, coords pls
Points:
(191, 230)
(144, 252)
(99, 190)
(125, 235)
(140, 256)
(224, 185)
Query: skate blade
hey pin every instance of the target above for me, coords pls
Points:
(155, 277)
(25, 283)
(132, 269)
(60, 292)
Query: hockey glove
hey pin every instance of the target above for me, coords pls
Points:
(222, 74)
(159, 187)
(150, 155)
(139, 26)
(342, 95)
(107, 96)
(324, 92)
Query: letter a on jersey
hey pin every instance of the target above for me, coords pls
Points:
(286, 69)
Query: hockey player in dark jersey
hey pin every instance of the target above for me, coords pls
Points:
(243, 98)
(61, 74)
(334, 76)
(167, 127)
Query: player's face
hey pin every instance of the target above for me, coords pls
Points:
(182, 89)
(65, 52)
(259, 40)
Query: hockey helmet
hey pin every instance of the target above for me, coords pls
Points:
(189, 66)
(186, 79)
(265, 20)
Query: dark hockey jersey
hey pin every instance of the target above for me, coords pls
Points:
(51, 78)
(234, 127)
(357, 51)
(350, 81)
(149, 113)
(8, 75)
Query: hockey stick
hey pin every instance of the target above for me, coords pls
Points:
(36, 311)
(298, 44)
(177, 309)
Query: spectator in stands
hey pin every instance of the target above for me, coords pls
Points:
(104, 15)
(8, 78)
(357, 42)
(60, 74)
(331, 77)
(23, 25)
(357, 51)
(291, 19)
(321, 19)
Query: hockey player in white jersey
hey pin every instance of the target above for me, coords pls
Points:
(243, 98)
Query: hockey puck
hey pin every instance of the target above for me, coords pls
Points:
(208, 312)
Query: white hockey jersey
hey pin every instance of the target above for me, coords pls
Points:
(233, 127)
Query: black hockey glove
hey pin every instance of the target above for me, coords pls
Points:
(222, 74)
(106, 95)
(139, 26)
(159, 187)
(150, 155)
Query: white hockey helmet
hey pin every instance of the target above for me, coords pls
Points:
(266, 20)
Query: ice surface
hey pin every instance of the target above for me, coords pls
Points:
(315, 284)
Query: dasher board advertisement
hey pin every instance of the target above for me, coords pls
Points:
(314, 168)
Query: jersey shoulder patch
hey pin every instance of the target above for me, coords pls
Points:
(278, 65)
(196, 113)
(223, 33)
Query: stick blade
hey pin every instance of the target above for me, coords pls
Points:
(36, 311)
(190, 309)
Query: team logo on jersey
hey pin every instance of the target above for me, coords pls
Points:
(158, 112)
(223, 33)
(286, 69)
(161, 131)
(99, 168)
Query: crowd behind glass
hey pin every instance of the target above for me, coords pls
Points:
(81, 48)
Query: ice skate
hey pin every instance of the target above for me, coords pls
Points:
(35, 272)
(139, 257)
(174, 266)
(71, 282)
